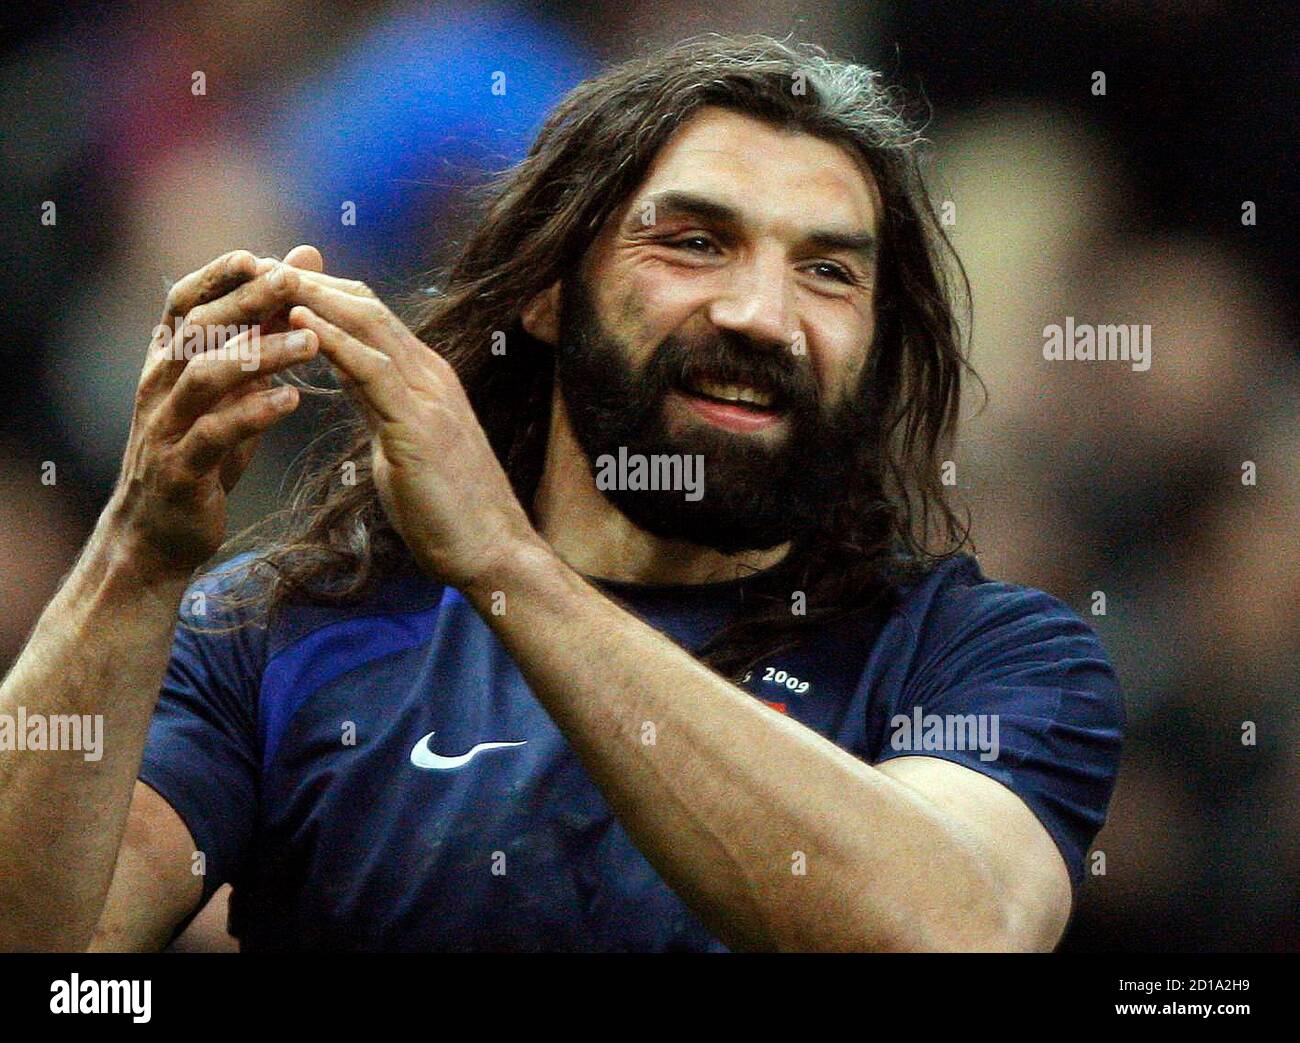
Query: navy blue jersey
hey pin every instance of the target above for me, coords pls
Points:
(381, 777)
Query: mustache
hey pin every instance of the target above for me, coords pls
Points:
(733, 358)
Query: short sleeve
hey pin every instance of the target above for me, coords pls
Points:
(201, 752)
(1021, 674)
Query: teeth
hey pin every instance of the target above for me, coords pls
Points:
(733, 392)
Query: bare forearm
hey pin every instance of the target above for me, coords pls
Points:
(777, 837)
(98, 651)
(101, 647)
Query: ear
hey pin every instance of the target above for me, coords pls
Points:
(541, 315)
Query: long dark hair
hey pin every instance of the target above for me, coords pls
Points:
(537, 220)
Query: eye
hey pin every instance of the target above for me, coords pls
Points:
(695, 244)
(830, 270)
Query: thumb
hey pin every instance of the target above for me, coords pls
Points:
(305, 256)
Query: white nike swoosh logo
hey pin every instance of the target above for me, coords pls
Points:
(423, 757)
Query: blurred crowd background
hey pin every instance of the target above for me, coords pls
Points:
(1125, 207)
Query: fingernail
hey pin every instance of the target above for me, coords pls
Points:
(296, 340)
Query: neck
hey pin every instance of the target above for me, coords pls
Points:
(594, 537)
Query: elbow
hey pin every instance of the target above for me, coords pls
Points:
(1002, 932)
(996, 928)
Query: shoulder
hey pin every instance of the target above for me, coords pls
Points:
(220, 640)
(232, 601)
(954, 607)
(954, 630)
(235, 658)
(957, 587)
(1010, 682)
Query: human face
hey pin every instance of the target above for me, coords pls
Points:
(743, 268)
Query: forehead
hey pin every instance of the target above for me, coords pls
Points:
(769, 174)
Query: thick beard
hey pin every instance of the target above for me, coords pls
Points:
(755, 496)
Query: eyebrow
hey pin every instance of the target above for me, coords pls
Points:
(676, 202)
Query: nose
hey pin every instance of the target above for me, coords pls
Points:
(756, 301)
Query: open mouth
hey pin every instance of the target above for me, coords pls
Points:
(730, 405)
(755, 398)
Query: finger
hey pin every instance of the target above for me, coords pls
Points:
(216, 434)
(240, 362)
(253, 302)
(366, 318)
(355, 287)
(174, 343)
(236, 461)
(306, 257)
(214, 279)
(266, 297)
(370, 376)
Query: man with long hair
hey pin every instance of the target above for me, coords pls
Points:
(629, 614)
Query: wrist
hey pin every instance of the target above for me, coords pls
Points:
(512, 570)
(121, 561)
